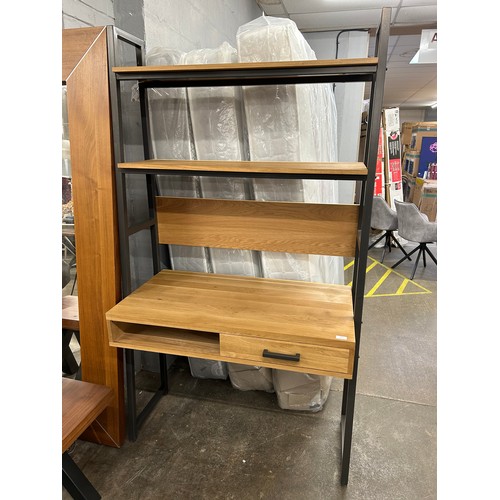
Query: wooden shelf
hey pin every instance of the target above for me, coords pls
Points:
(361, 62)
(234, 318)
(251, 168)
(251, 73)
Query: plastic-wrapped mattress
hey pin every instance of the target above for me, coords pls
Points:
(217, 124)
(291, 123)
(172, 139)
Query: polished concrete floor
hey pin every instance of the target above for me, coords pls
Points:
(207, 440)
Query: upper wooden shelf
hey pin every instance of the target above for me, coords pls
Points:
(252, 73)
(249, 168)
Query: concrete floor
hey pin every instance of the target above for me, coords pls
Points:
(206, 440)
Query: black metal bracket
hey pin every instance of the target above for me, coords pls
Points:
(75, 481)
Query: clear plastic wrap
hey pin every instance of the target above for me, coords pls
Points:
(217, 124)
(172, 139)
(207, 368)
(301, 391)
(250, 378)
(289, 123)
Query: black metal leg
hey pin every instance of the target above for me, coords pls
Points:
(430, 254)
(420, 250)
(400, 247)
(376, 241)
(347, 424)
(407, 256)
(387, 244)
(134, 420)
(344, 396)
(423, 253)
(75, 481)
(131, 400)
(69, 364)
(163, 374)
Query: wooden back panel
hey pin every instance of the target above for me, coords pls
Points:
(307, 228)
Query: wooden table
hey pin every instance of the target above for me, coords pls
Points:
(70, 326)
(82, 402)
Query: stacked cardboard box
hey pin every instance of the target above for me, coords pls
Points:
(392, 155)
(420, 159)
(425, 197)
(420, 167)
(406, 128)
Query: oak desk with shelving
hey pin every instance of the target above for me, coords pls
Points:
(290, 325)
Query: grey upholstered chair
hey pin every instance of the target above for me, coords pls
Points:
(415, 226)
(385, 219)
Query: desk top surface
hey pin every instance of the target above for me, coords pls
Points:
(286, 310)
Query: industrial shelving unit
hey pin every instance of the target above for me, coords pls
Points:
(290, 325)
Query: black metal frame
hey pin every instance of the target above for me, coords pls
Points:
(75, 481)
(389, 235)
(421, 248)
(375, 74)
(114, 36)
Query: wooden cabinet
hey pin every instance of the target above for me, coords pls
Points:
(87, 56)
(290, 325)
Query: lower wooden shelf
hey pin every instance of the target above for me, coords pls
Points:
(290, 325)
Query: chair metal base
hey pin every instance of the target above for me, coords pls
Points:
(422, 249)
(388, 235)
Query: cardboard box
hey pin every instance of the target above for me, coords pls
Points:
(425, 197)
(411, 160)
(390, 119)
(392, 155)
(378, 187)
(421, 130)
(428, 200)
(406, 129)
(428, 158)
(408, 187)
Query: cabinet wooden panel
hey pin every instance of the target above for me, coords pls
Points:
(309, 228)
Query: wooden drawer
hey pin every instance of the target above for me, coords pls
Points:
(263, 352)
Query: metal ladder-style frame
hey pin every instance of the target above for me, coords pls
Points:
(374, 74)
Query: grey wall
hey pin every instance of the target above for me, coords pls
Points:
(125, 14)
(349, 97)
(193, 24)
(78, 14)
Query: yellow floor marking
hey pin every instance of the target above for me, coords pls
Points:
(369, 268)
(346, 267)
(379, 282)
(400, 291)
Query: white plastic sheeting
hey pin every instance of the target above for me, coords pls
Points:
(217, 124)
(276, 123)
(289, 123)
(172, 138)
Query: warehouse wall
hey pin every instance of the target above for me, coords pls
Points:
(78, 14)
(190, 24)
(349, 97)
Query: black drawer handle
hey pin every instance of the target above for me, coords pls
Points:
(279, 355)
